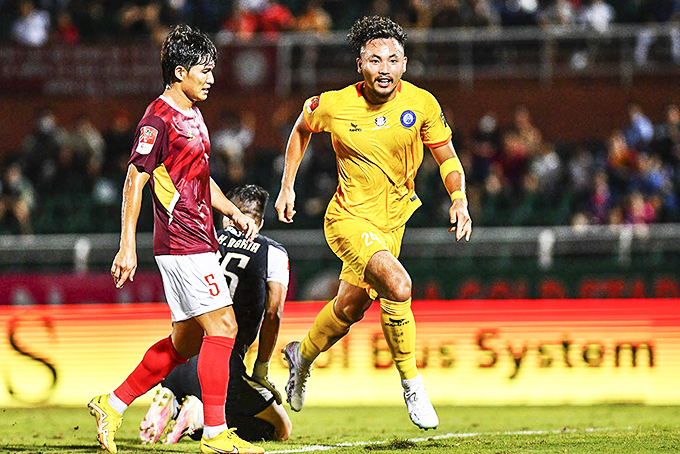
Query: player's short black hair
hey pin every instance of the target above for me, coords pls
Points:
(374, 27)
(185, 46)
(251, 199)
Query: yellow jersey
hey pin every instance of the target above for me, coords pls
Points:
(379, 148)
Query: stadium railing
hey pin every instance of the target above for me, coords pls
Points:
(95, 252)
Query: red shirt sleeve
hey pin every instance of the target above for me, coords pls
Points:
(150, 147)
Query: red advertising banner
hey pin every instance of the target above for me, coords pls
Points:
(77, 288)
(469, 352)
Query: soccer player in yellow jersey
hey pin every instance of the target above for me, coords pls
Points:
(378, 127)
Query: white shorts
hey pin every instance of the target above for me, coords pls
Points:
(194, 284)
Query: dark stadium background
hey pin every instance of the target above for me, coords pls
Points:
(569, 195)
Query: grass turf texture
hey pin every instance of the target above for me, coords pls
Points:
(619, 429)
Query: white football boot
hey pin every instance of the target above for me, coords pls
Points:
(299, 370)
(418, 403)
(157, 417)
(189, 420)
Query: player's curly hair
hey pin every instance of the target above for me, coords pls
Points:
(251, 199)
(374, 27)
(185, 46)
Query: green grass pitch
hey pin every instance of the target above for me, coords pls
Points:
(619, 428)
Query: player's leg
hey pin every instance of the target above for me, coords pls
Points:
(334, 320)
(187, 335)
(213, 373)
(330, 325)
(108, 409)
(389, 278)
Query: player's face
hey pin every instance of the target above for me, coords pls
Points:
(382, 63)
(197, 81)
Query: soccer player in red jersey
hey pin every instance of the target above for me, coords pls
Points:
(171, 152)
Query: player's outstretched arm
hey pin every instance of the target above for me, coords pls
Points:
(125, 263)
(453, 177)
(295, 150)
(221, 203)
(269, 334)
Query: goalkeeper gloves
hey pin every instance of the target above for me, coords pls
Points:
(261, 377)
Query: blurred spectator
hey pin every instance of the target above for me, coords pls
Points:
(141, 21)
(32, 27)
(622, 163)
(639, 132)
(519, 12)
(41, 150)
(514, 159)
(598, 15)
(485, 147)
(654, 12)
(638, 210)
(558, 12)
(315, 18)
(581, 170)
(667, 137)
(275, 18)
(235, 134)
(601, 200)
(96, 20)
(527, 131)
(87, 144)
(66, 31)
(17, 197)
(546, 167)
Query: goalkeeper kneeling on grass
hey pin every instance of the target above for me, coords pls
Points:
(257, 273)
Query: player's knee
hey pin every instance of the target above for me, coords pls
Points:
(352, 313)
(400, 289)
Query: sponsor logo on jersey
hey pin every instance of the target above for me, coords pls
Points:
(381, 122)
(147, 137)
(312, 104)
(408, 118)
(441, 114)
(354, 127)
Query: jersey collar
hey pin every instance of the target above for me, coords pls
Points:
(187, 113)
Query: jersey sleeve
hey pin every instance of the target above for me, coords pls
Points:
(150, 145)
(315, 112)
(277, 265)
(435, 131)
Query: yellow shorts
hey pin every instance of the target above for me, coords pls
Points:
(354, 240)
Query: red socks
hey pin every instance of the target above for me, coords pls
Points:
(158, 361)
(213, 373)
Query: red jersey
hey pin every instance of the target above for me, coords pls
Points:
(173, 147)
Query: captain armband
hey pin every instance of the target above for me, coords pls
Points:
(448, 166)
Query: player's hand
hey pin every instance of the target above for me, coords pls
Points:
(460, 219)
(124, 266)
(261, 377)
(285, 205)
(245, 224)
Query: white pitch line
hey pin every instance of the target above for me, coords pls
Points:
(315, 448)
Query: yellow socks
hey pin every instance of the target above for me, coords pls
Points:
(399, 328)
(326, 331)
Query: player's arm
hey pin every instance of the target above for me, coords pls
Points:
(453, 176)
(125, 263)
(277, 287)
(269, 333)
(295, 150)
(221, 203)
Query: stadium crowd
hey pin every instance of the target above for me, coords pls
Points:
(37, 22)
(56, 184)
